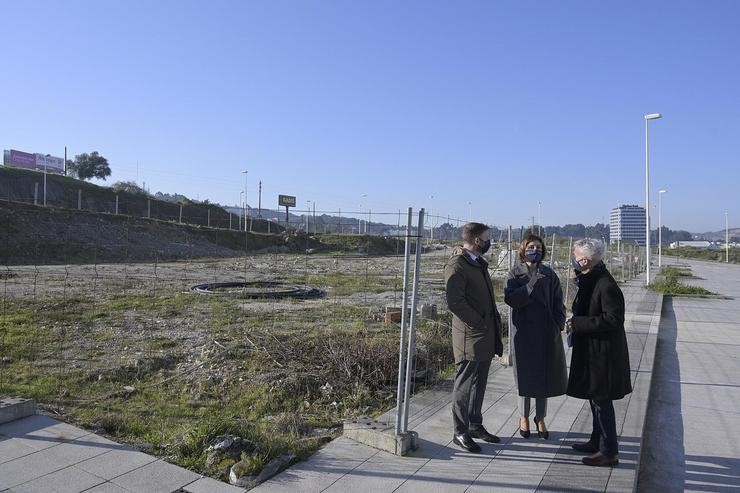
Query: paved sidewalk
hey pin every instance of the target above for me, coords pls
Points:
(692, 440)
(41, 455)
(516, 464)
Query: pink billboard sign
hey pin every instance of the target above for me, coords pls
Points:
(22, 159)
(38, 162)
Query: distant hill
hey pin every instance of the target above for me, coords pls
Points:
(719, 235)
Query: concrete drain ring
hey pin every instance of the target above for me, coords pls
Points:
(258, 289)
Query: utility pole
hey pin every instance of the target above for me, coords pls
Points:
(259, 204)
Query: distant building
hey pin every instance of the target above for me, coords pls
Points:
(712, 245)
(627, 225)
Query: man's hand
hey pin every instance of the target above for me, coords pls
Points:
(569, 325)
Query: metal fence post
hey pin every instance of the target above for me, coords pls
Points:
(404, 321)
(79, 199)
(180, 213)
(412, 326)
(116, 204)
(36, 193)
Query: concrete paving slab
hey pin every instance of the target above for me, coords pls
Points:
(115, 463)
(40, 432)
(67, 480)
(210, 485)
(30, 467)
(156, 477)
(11, 449)
(107, 488)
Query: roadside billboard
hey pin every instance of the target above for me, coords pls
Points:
(286, 200)
(37, 161)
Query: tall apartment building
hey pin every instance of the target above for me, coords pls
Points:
(627, 225)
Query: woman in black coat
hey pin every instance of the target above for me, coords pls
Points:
(599, 365)
(538, 317)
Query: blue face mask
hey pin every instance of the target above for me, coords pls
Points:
(533, 256)
(576, 265)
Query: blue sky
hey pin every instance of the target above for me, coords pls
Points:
(425, 104)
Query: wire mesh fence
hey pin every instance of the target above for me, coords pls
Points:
(126, 347)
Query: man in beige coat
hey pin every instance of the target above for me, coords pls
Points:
(476, 333)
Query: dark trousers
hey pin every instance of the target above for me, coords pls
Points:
(604, 434)
(467, 395)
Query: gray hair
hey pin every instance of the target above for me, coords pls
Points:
(591, 249)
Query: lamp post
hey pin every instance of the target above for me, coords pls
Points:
(470, 211)
(648, 117)
(308, 213)
(245, 199)
(241, 208)
(539, 219)
(660, 227)
(359, 220)
(727, 240)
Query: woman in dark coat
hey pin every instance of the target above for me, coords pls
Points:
(533, 292)
(599, 364)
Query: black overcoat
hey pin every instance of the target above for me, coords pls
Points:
(599, 364)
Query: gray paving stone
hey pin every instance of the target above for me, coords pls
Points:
(40, 432)
(115, 463)
(67, 480)
(30, 467)
(210, 485)
(12, 448)
(107, 488)
(156, 477)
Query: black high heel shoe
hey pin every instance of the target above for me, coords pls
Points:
(542, 434)
(523, 433)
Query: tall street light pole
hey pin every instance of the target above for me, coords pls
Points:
(648, 117)
(308, 214)
(660, 227)
(539, 219)
(727, 239)
(245, 198)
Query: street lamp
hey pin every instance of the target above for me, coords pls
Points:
(539, 219)
(648, 117)
(241, 207)
(359, 220)
(727, 240)
(660, 227)
(245, 199)
(308, 212)
(470, 211)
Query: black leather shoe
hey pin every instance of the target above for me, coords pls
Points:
(464, 441)
(600, 460)
(585, 447)
(482, 434)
